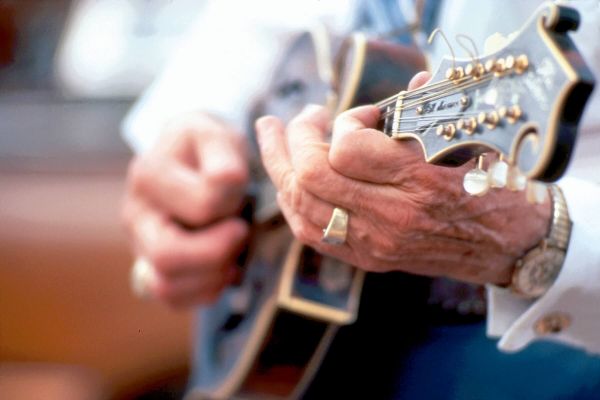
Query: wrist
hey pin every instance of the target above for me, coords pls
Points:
(536, 271)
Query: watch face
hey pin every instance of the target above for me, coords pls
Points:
(538, 271)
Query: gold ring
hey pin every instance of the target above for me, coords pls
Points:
(337, 229)
(142, 275)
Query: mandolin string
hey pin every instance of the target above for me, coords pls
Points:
(411, 93)
(435, 85)
(433, 96)
(414, 92)
(438, 117)
(437, 95)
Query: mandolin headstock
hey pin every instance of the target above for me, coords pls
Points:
(524, 101)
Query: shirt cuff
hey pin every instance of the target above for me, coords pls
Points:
(568, 313)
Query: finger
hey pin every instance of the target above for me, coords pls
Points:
(223, 160)
(182, 192)
(308, 206)
(273, 150)
(190, 290)
(419, 80)
(311, 234)
(186, 136)
(353, 251)
(308, 150)
(362, 153)
(174, 251)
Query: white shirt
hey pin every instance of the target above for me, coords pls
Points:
(228, 55)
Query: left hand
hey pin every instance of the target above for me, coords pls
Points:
(405, 214)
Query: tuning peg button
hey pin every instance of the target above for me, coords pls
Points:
(515, 180)
(475, 182)
(512, 113)
(455, 73)
(498, 174)
(448, 131)
(490, 119)
(475, 70)
(469, 125)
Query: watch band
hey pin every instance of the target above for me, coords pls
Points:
(536, 271)
(560, 228)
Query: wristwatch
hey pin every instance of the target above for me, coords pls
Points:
(537, 270)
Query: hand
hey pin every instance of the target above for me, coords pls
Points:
(181, 209)
(405, 214)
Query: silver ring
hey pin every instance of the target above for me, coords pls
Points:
(142, 275)
(337, 229)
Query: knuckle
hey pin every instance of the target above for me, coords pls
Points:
(162, 257)
(297, 198)
(385, 249)
(288, 180)
(340, 156)
(302, 232)
(233, 175)
(308, 171)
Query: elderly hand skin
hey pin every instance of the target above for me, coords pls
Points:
(405, 214)
(181, 209)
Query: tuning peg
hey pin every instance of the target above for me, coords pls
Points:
(469, 125)
(512, 113)
(515, 180)
(537, 192)
(499, 67)
(509, 62)
(521, 64)
(490, 119)
(475, 70)
(455, 73)
(448, 131)
(475, 181)
(498, 173)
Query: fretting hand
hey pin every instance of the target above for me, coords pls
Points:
(404, 214)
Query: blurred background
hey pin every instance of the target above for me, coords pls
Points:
(69, 326)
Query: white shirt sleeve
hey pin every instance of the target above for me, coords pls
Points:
(225, 61)
(576, 292)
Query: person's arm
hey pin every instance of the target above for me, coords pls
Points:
(225, 62)
(404, 214)
(568, 312)
(407, 215)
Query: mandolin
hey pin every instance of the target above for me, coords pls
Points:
(266, 336)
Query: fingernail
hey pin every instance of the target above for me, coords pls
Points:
(263, 123)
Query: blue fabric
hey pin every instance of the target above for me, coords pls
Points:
(459, 362)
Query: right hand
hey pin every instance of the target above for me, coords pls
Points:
(181, 209)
